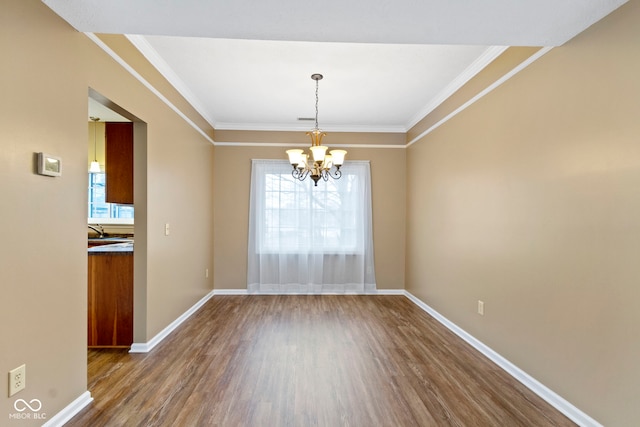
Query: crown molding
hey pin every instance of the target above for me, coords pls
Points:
(285, 145)
(102, 45)
(484, 92)
(269, 127)
(478, 65)
(145, 48)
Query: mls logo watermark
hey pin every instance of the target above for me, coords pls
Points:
(27, 410)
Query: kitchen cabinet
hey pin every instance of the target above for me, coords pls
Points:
(110, 305)
(119, 162)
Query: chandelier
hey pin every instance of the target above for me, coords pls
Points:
(318, 164)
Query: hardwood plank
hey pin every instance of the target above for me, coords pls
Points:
(308, 360)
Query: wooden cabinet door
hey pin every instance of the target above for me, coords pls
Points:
(110, 300)
(119, 162)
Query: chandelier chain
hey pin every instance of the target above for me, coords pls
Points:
(317, 104)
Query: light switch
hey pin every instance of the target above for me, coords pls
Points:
(166, 229)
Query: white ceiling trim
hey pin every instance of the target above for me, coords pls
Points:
(488, 89)
(148, 85)
(284, 145)
(305, 128)
(478, 65)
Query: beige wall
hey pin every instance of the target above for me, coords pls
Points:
(47, 70)
(232, 182)
(530, 201)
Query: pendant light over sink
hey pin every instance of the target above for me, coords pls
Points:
(95, 166)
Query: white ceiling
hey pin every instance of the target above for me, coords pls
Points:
(103, 113)
(254, 84)
(246, 64)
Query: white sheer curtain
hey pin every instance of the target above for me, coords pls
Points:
(306, 239)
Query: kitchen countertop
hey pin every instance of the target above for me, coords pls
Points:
(114, 248)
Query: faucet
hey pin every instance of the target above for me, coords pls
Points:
(98, 229)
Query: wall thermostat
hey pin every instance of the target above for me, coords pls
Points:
(49, 165)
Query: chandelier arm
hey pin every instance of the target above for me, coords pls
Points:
(299, 174)
(302, 175)
(336, 175)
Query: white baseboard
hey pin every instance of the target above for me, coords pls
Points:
(562, 405)
(387, 292)
(230, 292)
(148, 346)
(59, 419)
(245, 292)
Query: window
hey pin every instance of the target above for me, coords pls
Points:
(297, 216)
(99, 209)
(304, 237)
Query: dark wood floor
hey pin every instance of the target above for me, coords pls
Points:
(308, 361)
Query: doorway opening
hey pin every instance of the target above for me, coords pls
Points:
(116, 220)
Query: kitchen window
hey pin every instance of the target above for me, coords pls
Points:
(99, 210)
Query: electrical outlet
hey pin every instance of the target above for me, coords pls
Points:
(17, 379)
(481, 308)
